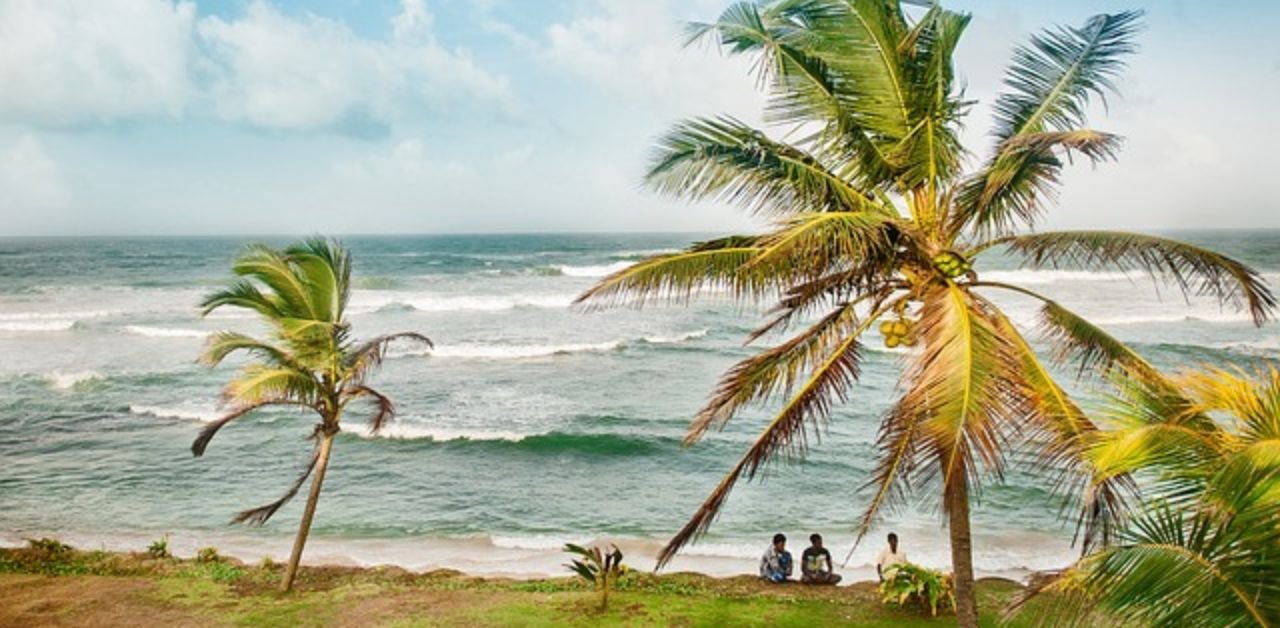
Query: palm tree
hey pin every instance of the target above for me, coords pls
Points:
(1206, 551)
(309, 362)
(875, 219)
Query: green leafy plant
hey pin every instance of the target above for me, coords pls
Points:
(159, 548)
(908, 584)
(876, 213)
(1205, 550)
(49, 547)
(208, 555)
(598, 568)
(309, 361)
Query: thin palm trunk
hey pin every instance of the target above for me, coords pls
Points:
(957, 501)
(313, 497)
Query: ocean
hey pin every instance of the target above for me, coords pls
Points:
(531, 424)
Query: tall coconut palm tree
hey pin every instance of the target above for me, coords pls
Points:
(310, 360)
(1206, 549)
(877, 219)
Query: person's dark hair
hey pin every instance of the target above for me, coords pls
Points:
(779, 538)
(893, 538)
(815, 537)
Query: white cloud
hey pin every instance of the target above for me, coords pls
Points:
(71, 63)
(30, 182)
(633, 50)
(65, 62)
(276, 71)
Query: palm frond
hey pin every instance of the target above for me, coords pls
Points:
(1251, 399)
(776, 370)
(932, 150)
(724, 159)
(260, 515)
(717, 266)
(827, 382)
(242, 294)
(325, 268)
(1194, 270)
(258, 382)
(370, 354)
(1051, 83)
(1064, 436)
(207, 433)
(274, 269)
(223, 343)
(384, 410)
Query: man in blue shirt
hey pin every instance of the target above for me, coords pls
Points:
(775, 565)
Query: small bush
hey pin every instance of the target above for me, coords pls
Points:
(159, 548)
(208, 555)
(50, 547)
(266, 564)
(908, 584)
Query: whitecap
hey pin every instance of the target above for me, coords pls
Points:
(204, 414)
(411, 431)
(66, 381)
(594, 271)
(43, 325)
(1028, 276)
(165, 332)
(508, 352)
(658, 339)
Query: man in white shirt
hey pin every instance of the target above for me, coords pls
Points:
(889, 557)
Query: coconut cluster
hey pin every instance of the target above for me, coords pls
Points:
(951, 265)
(899, 332)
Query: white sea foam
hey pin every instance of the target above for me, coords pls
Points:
(412, 431)
(188, 412)
(593, 271)
(365, 302)
(1172, 317)
(43, 325)
(634, 255)
(658, 339)
(67, 380)
(518, 352)
(1264, 346)
(54, 316)
(165, 332)
(1027, 276)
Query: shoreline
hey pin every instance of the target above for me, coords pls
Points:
(484, 557)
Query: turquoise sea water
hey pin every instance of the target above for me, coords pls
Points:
(530, 425)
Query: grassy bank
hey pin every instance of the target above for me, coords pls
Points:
(56, 586)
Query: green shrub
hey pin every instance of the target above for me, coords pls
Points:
(208, 555)
(908, 584)
(159, 548)
(50, 547)
(266, 564)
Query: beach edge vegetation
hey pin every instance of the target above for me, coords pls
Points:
(310, 361)
(875, 218)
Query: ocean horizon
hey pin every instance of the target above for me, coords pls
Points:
(532, 423)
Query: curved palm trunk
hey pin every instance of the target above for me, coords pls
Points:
(322, 461)
(957, 504)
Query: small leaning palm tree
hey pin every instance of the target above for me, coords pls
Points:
(877, 220)
(1206, 549)
(310, 360)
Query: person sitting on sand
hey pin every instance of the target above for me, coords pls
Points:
(775, 565)
(812, 567)
(889, 557)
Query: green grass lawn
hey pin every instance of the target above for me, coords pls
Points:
(72, 588)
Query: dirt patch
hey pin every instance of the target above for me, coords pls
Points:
(28, 600)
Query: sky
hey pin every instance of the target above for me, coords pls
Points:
(153, 117)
